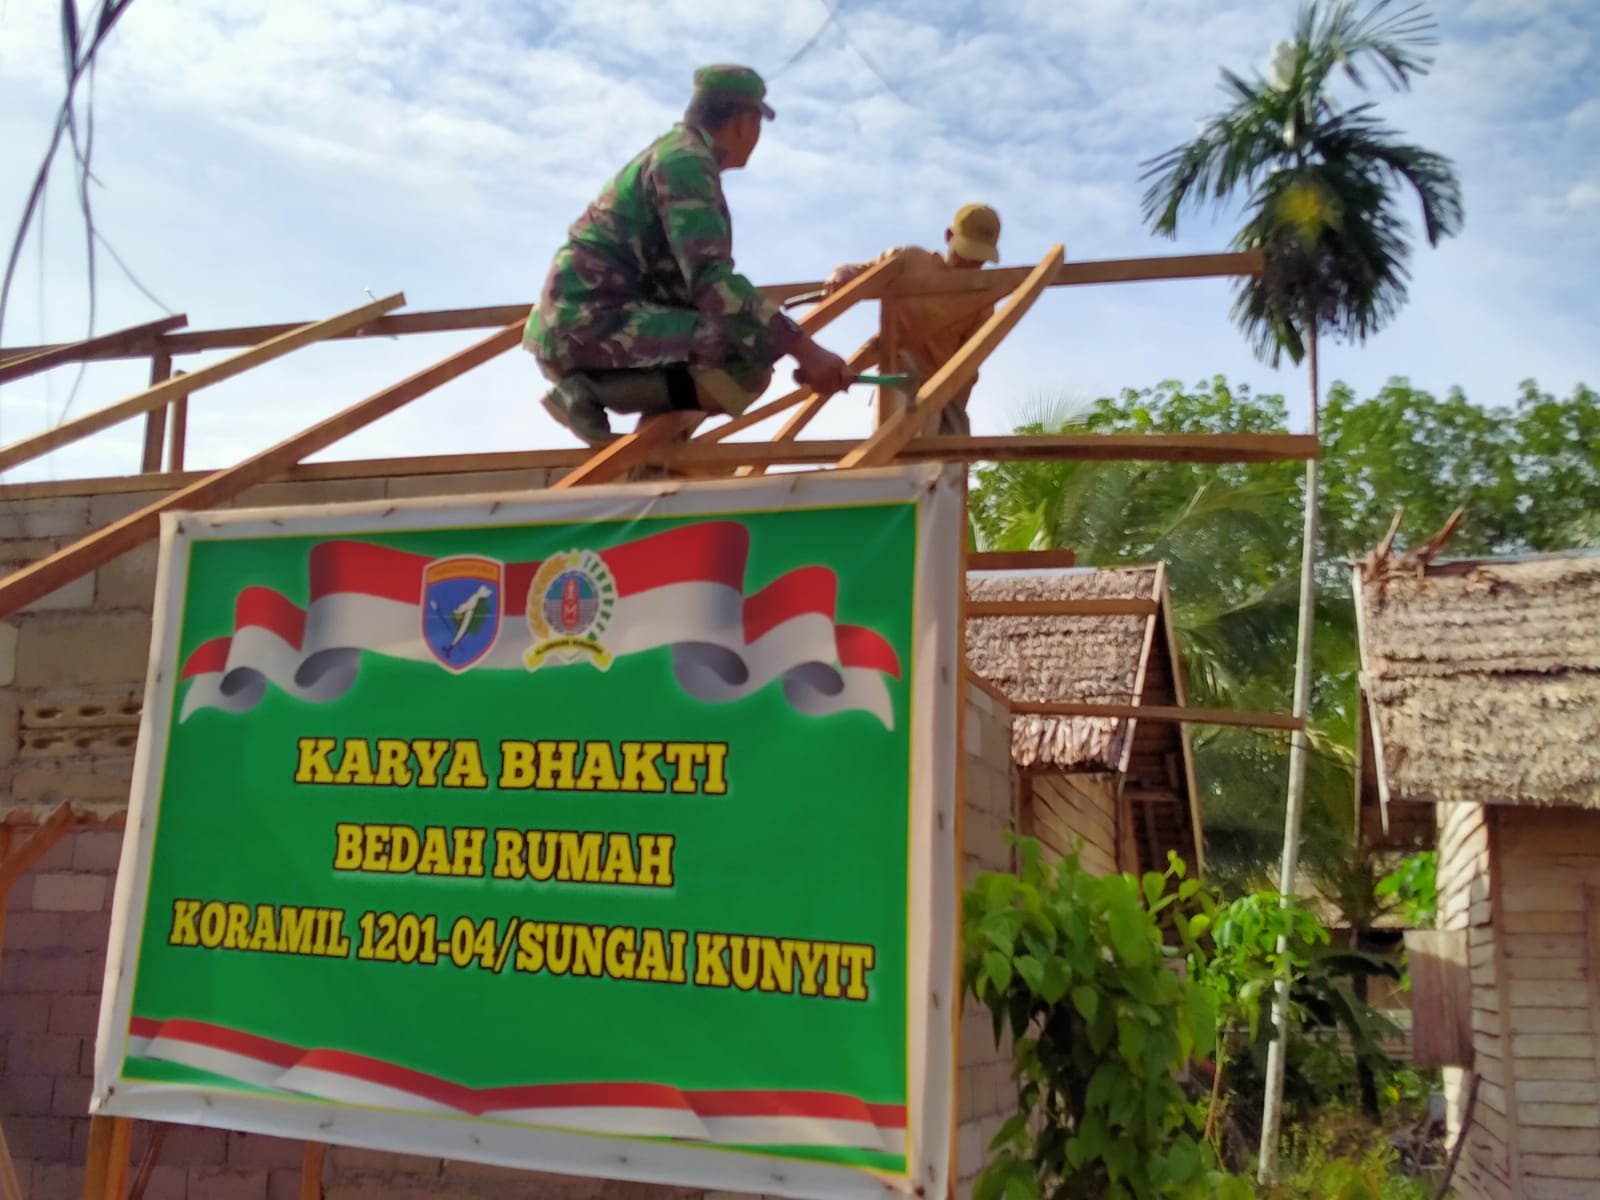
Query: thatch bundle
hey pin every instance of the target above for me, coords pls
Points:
(1484, 678)
(1084, 659)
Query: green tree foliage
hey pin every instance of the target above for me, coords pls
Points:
(1073, 966)
(1528, 473)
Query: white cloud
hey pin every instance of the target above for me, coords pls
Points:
(270, 159)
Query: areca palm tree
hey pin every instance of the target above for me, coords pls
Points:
(1321, 186)
(1321, 182)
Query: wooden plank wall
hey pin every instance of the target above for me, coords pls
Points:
(1466, 903)
(1549, 871)
(1063, 808)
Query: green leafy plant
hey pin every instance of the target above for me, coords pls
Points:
(1336, 1159)
(1073, 965)
(1413, 888)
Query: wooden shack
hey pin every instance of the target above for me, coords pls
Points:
(1101, 641)
(1481, 681)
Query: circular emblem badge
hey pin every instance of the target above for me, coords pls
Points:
(569, 606)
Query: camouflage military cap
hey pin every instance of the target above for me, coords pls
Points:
(738, 84)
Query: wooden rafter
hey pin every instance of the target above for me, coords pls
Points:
(865, 357)
(1020, 560)
(631, 450)
(22, 859)
(1133, 447)
(1108, 606)
(1158, 712)
(154, 397)
(653, 437)
(83, 556)
(807, 411)
(1121, 270)
(121, 341)
(938, 392)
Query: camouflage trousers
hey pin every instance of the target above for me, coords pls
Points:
(641, 335)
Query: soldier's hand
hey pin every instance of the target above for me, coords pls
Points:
(840, 277)
(821, 370)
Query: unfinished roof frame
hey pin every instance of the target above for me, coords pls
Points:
(897, 437)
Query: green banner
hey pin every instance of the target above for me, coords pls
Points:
(592, 832)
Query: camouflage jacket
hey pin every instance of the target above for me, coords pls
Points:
(659, 235)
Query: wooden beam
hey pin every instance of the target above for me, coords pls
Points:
(947, 382)
(180, 432)
(1020, 560)
(10, 1185)
(147, 1163)
(22, 859)
(1000, 280)
(1109, 606)
(121, 341)
(44, 576)
(806, 412)
(155, 421)
(638, 447)
(1157, 712)
(919, 283)
(1137, 447)
(70, 431)
(631, 450)
(865, 286)
(117, 1171)
(865, 356)
(311, 1171)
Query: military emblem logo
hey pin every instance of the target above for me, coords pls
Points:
(570, 603)
(461, 609)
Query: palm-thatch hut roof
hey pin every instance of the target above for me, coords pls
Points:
(1481, 680)
(1123, 660)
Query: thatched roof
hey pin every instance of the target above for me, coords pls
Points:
(1089, 659)
(1483, 679)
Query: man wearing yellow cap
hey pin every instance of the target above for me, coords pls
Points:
(642, 310)
(932, 328)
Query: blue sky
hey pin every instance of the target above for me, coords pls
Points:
(268, 160)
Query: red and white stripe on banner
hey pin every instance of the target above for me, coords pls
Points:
(682, 589)
(753, 1118)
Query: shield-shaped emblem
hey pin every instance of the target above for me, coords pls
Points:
(461, 609)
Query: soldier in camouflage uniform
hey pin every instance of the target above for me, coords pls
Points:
(643, 311)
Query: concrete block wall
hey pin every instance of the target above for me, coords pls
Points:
(985, 1096)
(71, 686)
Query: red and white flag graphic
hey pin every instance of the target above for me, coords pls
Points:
(634, 1109)
(683, 590)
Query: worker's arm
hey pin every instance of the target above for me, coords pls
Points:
(844, 274)
(688, 196)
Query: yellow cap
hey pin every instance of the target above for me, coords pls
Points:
(975, 233)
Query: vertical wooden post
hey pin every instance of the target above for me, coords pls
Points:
(117, 1168)
(155, 421)
(97, 1162)
(311, 1172)
(889, 399)
(962, 688)
(10, 1185)
(180, 429)
(1591, 966)
(5, 890)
